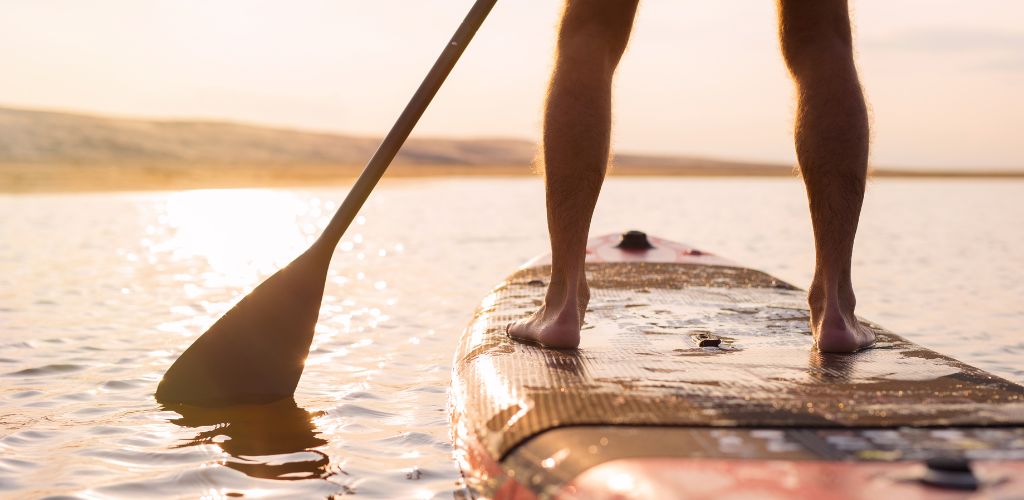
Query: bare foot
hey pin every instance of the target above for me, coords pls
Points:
(558, 322)
(833, 322)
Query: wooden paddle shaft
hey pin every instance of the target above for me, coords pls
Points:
(380, 161)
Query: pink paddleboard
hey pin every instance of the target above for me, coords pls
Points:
(697, 378)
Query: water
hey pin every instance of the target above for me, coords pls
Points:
(100, 292)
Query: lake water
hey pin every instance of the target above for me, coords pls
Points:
(100, 292)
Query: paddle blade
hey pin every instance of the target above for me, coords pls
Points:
(256, 352)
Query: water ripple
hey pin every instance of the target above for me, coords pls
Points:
(54, 369)
(94, 316)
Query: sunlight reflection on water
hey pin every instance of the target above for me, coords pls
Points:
(242, 234)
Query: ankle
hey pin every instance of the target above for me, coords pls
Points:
(831, 295)
(558, 294)
(566, 290)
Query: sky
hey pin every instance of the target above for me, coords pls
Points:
(944, 78)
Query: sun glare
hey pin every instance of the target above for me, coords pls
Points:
(243, 234)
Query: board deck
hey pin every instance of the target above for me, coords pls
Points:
(532, 421)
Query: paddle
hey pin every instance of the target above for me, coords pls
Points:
(256, 352)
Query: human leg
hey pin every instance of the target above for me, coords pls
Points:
(832, 149)
(577, 133)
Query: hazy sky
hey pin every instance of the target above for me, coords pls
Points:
(945, 78)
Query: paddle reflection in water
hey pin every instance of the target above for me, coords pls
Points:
(269, 441)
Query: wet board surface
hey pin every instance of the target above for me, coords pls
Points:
(698, 357)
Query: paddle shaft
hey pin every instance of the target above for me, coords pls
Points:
(389, 147)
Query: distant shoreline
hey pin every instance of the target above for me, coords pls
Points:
(53, 151)
(89, 178)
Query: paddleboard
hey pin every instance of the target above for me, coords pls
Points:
(696, 378)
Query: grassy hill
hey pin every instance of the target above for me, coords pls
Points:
(45, 150)
(46, 138)
(29, 137)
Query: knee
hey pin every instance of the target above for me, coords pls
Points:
(592, 29)
(817, 48)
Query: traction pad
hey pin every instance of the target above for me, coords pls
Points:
(639, 363)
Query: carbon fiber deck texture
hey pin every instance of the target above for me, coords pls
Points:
(640, 364)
